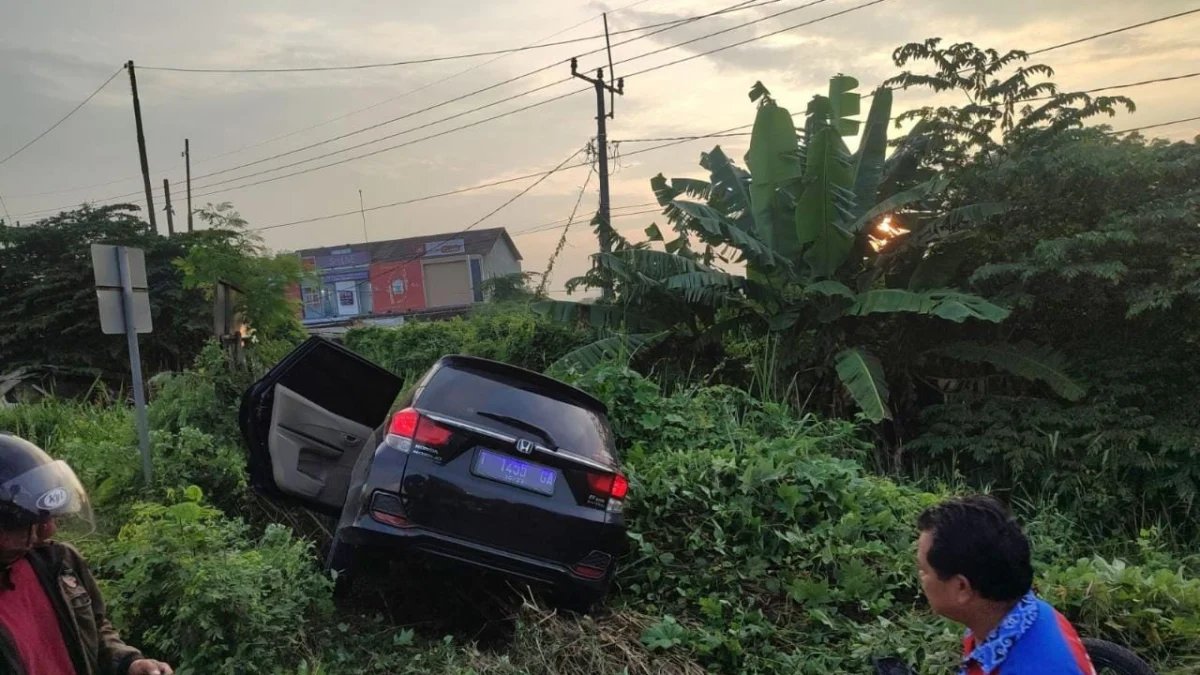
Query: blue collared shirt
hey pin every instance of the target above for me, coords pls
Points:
(1032, 639)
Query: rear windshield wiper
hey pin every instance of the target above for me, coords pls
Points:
(520, 424)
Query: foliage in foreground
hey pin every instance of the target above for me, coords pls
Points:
(187, 581)
(778, 554)
(758, 545)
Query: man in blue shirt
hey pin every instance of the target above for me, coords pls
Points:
(975, 567)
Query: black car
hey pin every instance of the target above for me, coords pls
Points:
(486, 463)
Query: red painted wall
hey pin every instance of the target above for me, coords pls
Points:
(384, 299)
(293, 293)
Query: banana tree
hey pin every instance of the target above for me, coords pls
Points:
(801, 223)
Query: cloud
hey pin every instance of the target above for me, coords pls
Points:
(53, 55)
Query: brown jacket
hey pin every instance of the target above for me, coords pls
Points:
(93, 644)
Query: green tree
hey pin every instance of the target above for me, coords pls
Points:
(805, 223)
(514, 287)
(49, 315)
(227, 251)
(1095, 251)
(1098, 257)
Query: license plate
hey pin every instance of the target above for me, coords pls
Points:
(512, 471)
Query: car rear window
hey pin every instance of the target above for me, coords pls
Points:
(464, 393)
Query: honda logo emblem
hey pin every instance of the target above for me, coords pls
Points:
(524, 447)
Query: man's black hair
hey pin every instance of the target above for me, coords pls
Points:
(978, 538)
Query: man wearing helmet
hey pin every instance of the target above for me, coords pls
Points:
(52, 619)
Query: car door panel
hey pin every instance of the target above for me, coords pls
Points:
(309, 418)
(313, 451)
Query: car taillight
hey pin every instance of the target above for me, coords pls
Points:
(404, 423)
(608, 485)
(620, 487)
(588, 572)
(614, 487)
(408, 426)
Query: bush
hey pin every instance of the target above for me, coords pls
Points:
(1152, 601)
(191, 457)
(509, 333)
(762, 546)
(190, 585)
(775, 552)
(208, 396)
(642, 417)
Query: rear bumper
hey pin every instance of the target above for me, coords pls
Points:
(365, 531)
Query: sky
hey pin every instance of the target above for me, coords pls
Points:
(53, 54)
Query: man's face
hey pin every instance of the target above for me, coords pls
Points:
(14, 545)
(951, 597)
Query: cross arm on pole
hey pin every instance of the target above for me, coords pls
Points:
(599, 79)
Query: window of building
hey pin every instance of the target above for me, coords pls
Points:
(311, 296)
(346, 298)
(398, 287)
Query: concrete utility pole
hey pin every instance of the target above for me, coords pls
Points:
(141, 140)
(187, 160)
(602, 116)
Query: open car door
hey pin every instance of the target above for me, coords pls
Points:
(308, 419)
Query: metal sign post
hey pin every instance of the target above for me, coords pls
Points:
(124, 300)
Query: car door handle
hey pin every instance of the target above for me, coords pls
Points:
(349, 440)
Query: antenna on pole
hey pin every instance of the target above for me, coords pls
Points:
(612, 72)
(363, 213)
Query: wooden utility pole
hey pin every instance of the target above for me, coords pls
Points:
(141, 140)
(602, 116)
(187, 160)
(170, 214)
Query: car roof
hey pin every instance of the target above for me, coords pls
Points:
(560, 389)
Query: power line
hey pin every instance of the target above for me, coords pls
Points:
(669, 141)
(678, 138)
(340, 117)
(562, 240)
(393, 147)
(438, 59)
(391, 99)
(1114, 32)
(739, 5)
(734, 130)
(699, 55)
(1071, 43)
(491, 213)
(476, 123)
(545, 227)
(1142, 83)
(504, 100)
(741, 25)
(342, 161)
(414, 200)
(373, 152)
(1153, 126)
(64, 118)
(554, 224)
(410, 92)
